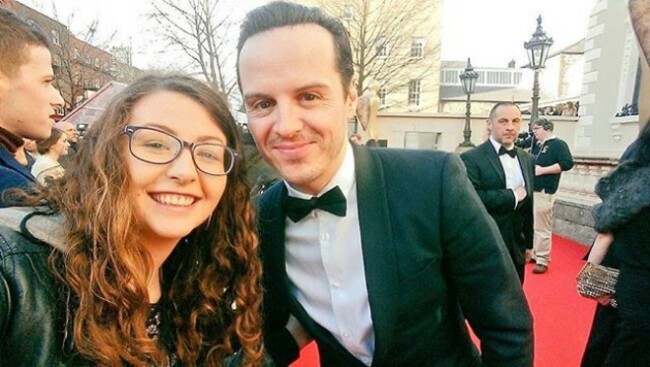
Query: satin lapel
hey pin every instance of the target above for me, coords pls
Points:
(526, 170)
(379, 257)
(493, 158)
(273, 227)
(10, 162)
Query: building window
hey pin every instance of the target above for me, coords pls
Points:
(55, 37)
(382, 95)
(414, 92)
(96, 62)
(382, 48)
(75, 53)
(348, 12)
(417, 47)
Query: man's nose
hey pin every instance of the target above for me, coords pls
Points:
(288, 120)
(57, 100)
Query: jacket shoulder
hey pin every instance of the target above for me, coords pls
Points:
(14, 243)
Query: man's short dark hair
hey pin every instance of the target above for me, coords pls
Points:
(15, 35)
(281, 14)
(493, 111)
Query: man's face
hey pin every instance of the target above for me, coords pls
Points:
(28, 99)
(69, 130)
(504, 127)
(296, 105)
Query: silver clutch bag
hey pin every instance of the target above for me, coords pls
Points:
(597, 280)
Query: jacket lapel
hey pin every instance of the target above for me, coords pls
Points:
(379, 258)
(526, 169)
(493, 159)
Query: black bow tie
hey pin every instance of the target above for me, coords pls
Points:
(512, 152)
(332, 201)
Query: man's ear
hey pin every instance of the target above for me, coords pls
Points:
(488, 125)
(352, 100)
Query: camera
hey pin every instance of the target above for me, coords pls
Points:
(524, 140)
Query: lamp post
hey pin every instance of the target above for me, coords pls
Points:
(468, 79)
(537, 49)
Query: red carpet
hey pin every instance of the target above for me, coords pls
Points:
(562, 318)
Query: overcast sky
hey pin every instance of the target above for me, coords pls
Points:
(491, 32)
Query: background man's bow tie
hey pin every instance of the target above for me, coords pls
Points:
(512, 152)
(332, 201)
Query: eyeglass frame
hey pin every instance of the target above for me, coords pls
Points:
(129, 130)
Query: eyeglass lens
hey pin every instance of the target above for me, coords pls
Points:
(157, 147)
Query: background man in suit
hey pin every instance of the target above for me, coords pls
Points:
(28, 99)
(398, 248)
(552, 156)
(502, 175)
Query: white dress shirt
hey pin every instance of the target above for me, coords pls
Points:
(324, 262)
(512, 169)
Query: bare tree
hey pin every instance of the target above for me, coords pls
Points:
(79, 66)
(391, 39)
(200, 30)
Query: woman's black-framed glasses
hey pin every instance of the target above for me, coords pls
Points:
(158, 147)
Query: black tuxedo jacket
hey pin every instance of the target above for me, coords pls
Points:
(486, 173)
(431, 255)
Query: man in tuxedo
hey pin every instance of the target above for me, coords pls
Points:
(378, 255)
(502, 175)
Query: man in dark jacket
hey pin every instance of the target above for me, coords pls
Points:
(28, 99)
(398, 250)
(502, 175)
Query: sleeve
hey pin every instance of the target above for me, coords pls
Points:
(564, 158)
(497, 201)
(483, 275)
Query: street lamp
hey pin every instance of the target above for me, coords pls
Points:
(537, 49)
(468, 78)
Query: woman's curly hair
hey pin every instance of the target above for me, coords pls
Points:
(214, 289)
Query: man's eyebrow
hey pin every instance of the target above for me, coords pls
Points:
(313, 86)
(255, 96)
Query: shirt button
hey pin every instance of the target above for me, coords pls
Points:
(336, 284)
(325, 237)
(346, 334)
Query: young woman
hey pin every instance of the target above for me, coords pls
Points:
(46, 167)
(154, 263)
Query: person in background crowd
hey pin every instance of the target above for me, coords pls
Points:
(73, 139)
(47, 167)
(31, 152)
(502, 175)
(552, 157)
(379, 255)
(144, 253)
(28, 99)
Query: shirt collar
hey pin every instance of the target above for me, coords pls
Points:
(344, 178)
(496, 145)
